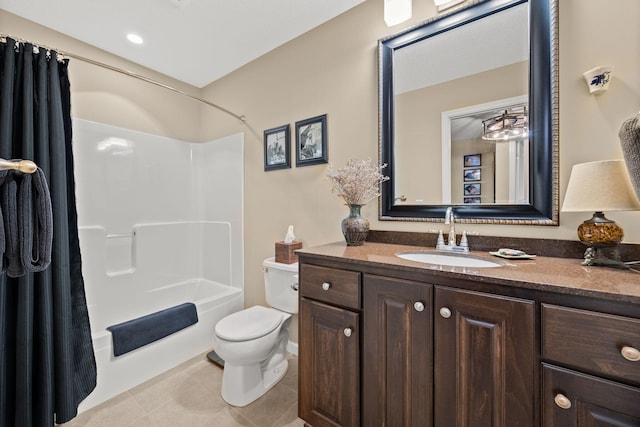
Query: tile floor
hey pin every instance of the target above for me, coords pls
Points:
(189, 395)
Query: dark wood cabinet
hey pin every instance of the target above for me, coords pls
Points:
(571, 398)
(397, 386)
(385, 345)
(484, 360)
(600, 354)
(329, 380)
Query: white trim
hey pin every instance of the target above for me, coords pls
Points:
(292, 347)
(447, 116)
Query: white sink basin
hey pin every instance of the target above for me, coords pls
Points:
(452, 260)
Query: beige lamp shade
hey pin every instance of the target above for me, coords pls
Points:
(600, 186)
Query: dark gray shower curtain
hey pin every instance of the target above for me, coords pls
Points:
(47, 364)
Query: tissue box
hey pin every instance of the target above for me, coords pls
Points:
(284, 252)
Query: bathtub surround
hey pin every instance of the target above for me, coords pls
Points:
(132, 334)
(47, 363)
(160, 225)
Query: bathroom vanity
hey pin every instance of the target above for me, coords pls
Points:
(385, 341)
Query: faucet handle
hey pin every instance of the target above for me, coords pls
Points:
(463, 240)
(440, 241)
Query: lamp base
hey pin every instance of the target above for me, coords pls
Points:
(595, 256)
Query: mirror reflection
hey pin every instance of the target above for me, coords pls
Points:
(485, 64)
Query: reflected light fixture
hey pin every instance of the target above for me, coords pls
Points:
(598, 187)
(512, 124)
(396, 11)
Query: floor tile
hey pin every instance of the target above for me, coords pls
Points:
(189, 395)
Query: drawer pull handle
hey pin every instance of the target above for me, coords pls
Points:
(347, 332)
(630, 353)
(562, 401)
(326, 286)
(418, 306)
(445, 312)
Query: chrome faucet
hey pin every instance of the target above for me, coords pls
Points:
(449, 219)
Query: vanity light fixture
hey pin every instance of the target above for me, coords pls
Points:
(396, 11)
(512, 124)
(446, 4)
(597, 187)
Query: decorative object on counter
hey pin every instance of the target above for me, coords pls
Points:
(508, 253)
(311, 141)
(600, 186)
(357, 183)
(630, 140)
(277, 154)
(598, 78)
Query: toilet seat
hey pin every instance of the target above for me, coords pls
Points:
(249, 324)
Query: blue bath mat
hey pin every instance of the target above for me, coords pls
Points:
(133, 334)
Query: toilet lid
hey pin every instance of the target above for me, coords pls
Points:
(252, 323)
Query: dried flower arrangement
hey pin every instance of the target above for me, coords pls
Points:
(358, 182)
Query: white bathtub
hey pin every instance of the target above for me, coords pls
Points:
(118, 374)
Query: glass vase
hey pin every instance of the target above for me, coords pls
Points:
(354, 227)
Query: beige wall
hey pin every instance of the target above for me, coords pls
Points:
(333, 70)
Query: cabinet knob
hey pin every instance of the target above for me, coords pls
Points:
(632, 354)
(418, 306)
(562, 401)
(347, 332)
(326, 286)
(445, 312)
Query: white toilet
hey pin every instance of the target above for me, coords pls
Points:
(252, 342)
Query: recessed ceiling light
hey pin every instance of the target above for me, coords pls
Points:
(134, 38)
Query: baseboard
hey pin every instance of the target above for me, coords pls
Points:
(292, 347)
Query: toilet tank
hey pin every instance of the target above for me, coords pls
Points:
(279, 282)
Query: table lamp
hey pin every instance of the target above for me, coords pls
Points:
(598, 187)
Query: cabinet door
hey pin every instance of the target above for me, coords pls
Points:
(574, 399)
(329, 373)
(483, 360)
(397, 353)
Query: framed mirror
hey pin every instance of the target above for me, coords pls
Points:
(469, 116)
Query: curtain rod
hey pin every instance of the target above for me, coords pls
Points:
(3, 39)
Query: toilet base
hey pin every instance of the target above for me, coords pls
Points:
(244, 384)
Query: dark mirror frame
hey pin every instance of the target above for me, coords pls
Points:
(543, 118)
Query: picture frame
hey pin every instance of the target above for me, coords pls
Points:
(471, 200)
(311, 141)
(471, 175)
(277, 148)
(472, 189)
(472, 160)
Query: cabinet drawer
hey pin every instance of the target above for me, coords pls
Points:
(339, 287)
(592, 341)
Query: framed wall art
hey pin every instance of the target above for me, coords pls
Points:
(277, 151)
(472, 189)
(311, 141)
(472, 160)
(472, 175)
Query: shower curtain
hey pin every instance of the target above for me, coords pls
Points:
(47, 364)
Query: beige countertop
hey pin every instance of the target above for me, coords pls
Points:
(563, 275)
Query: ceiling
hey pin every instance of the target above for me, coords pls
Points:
(194, 41)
